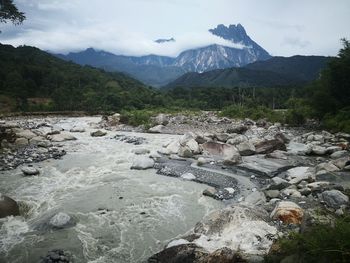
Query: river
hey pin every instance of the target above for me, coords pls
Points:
(121, 215)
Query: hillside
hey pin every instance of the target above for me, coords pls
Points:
(33, 79)
(277, 71)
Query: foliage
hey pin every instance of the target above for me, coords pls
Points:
(9, 12)
(321, 243)
(136, 117)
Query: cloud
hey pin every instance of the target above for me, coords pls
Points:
(296, 42)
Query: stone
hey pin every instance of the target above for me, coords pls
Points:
(222, 137)
(98, 133)
(140, 151)
(290, 192)
(188, 176)
(318, 150)
(278, 155)
(269, 146)
(161, 119)
(282, 137)
(298, 174)
(36, 140)
(278, 183)
(246, 148)
(8, 206)
(237, 139)
(318, 186)
(342, 162)
(329, 167)
(26, 134)
(237, 129)
(201, 161)
(157, 129)
(174, 147)
(77, 129)
(28, 170)
(210, 191)
(185, 152)
(333, 149)
(142, 163)
(272, 193)
(298, 148)
(21, 141)
(61, 137)
(255, 198)
(335, 198)
(232, 157)
(60, 220)
(305, 191)
(288, 212)
(339, 154)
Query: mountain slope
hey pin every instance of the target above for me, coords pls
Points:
(27, 72)
(277, 71)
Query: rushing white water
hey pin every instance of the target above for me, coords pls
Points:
(121, 215)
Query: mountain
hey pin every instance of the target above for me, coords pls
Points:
(277, 71)
(159, 70)
(152, 69)
(305, 68)
(31, 79)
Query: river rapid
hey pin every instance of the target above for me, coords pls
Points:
(121, 215)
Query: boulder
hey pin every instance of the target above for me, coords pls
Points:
(157, 129)
(210, 191)
(237, 139)
(333, 149)
(140, 151)
(282, 137)
(21, 141)
(278, 183)
(218, 149)
(329, 167)
(318, 186)
(173, 147)
(278, 155)
(142, 163)
(77, 129)
(61, 220)
(237, 129)
(8, 206)
(318, 150)
(98, 133)
(298, 148)
(232, 157)
(28, 170)
(61, 137)
(185, 151)
(339, 154)
(26, 134)
(246, 148)
(255, 198)
(272, 194)
(298, 174)
(114, 119)
(161, 119)
(335, 198)
(269, 146)
(36, 140)
(288, 212)
(222, 137)
(341, 162)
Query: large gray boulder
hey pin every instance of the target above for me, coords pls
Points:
(246, 148)
(98, 133)
(8, 206)
(142, 163)
(28, 170)
(335, 198)
(268, 146)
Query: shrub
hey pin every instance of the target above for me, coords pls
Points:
(136, 117)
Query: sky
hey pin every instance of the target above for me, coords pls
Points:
(129, 27)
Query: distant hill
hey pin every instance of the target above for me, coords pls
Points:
(277, 71)
(29, 75)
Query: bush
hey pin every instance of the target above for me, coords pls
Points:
(136, 117)
(321, 243)
(339, 121)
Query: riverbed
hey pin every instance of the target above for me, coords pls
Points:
(121, 215)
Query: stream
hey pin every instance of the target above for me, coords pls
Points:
(121, 215)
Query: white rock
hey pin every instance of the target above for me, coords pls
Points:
(298, 174)
(61, 137)
(188, 176)
(142, 163)
(157, 129)
(60, 220)
(30, 170)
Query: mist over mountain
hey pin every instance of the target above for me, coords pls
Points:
(158, 70)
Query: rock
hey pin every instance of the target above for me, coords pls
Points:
(335, 198)
(237, 139)
(185, 152)
(333, 149)
(237, 129)
(218, 149)
(232, 157)
(142, 163)
(282, 137)
(173, 147)
(341, 162)
(298, 174)
(157, 129)
(318, 150)
(61, 220)
(246, 148)
(201, 161)
(114, 119)
(298, 148)
(177, 242)
(278, 183)
(98, 133)
(140, 151)
(288, 212)
(28, 170)
(188, 176)
(61, 137)
(21, 141)
(222, 137)
(255, 198)
(185, 253)
(223, 255)
(56, 256)
(36, 140)
(305, 191)
(318, 186)
(8, 206)
(155, 155)
(77, 129)
(290, 192)
(329, 167)
(272, 193)
(343, 135)
(161, 119)
(277, 155)
(26, 134)
(339, 154)
(210, 191)
(269, 146)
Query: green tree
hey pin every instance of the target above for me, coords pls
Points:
(9, 12)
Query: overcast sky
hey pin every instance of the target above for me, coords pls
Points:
(282, 27)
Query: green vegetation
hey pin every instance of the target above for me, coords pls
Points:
(320, 243)
(9, 12)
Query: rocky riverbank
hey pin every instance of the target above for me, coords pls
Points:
(272, 179)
